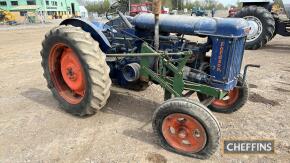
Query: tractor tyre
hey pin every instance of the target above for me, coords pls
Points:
(187, 128)
(262, 26)
(75, 70)
(234, 101)
(276, 18)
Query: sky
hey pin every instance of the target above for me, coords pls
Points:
(228, 2)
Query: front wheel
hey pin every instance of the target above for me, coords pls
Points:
(75, 70)
(232, 102)
(187, 128)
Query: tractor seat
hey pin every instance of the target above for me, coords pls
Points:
(189, 25)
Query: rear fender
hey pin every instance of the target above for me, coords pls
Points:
(93, 29)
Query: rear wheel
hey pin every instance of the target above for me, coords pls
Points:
(262, 26)
(186, 128)
(276, 18)
(75, 70)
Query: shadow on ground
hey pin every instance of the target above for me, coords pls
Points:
(131, 106)
(137, 108)
(42, 97)
(276, 48)
(123, 104)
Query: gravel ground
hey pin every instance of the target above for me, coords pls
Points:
(33, 128)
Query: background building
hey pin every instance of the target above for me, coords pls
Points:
(41, 8)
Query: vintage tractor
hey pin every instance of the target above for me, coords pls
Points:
(265, 23)
(81, 60)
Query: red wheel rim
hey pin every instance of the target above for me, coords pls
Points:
(231, 98)
(67, 73)
(184, 133)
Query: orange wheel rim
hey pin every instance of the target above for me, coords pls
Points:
(232, 97)
(67, 73)
(184, 133)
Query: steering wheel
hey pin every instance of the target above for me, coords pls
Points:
(120, 5)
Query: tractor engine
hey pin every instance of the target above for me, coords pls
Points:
(219, 69)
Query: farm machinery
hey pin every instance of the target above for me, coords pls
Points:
(81, 60)
(264, 22)
(7, 17)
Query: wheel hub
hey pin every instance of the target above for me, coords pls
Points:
(256, 28)
(227, 101)
(71, 72)
(67, 73)
(184, 132)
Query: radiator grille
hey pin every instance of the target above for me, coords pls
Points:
(226, 61)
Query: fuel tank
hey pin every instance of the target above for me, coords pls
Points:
(188, 25)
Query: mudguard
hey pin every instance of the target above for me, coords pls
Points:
(94, 28)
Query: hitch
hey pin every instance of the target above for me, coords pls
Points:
(246, 70)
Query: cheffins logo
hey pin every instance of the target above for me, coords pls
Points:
(248, 146)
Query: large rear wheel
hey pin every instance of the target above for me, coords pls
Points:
(75, 70)
(262, 26)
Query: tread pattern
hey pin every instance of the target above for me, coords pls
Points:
(268, 25)
(197, 110)
(276, 18)
(94, 61)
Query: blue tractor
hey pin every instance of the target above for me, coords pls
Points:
(82, 59)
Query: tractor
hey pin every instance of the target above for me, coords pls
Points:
(265, 23)
(82, 59)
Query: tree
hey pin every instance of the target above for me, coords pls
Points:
(106, 4)
(100, 7)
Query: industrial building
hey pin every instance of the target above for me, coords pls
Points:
(45, 8)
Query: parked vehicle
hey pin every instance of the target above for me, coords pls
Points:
(140, 8)
(81, 59)
(264, 23)
(7, 17)
(145, 8)
(199, 11)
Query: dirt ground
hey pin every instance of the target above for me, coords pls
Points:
(34, 129)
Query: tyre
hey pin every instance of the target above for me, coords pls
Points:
(75, 70)
(187, 128)
(234, 101)
(262, 26)
(276, 18)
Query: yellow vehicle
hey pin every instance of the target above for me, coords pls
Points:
(6, 16)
